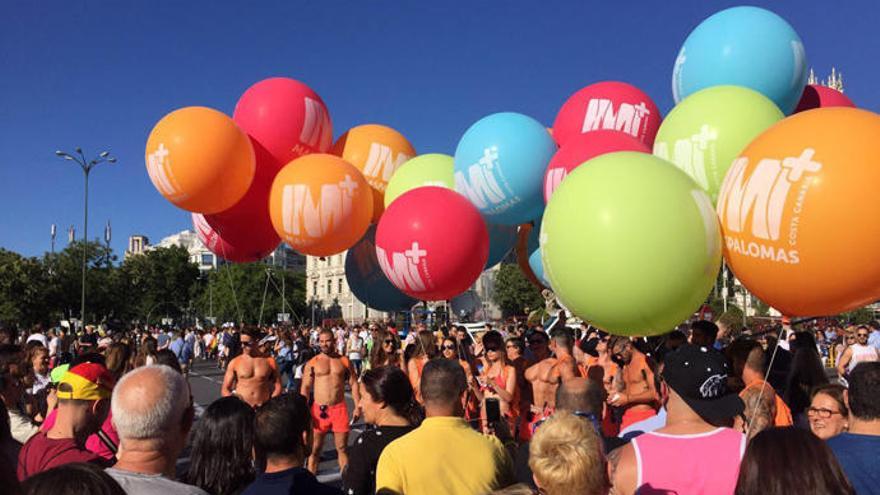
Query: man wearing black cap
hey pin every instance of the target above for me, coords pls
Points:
(693, 453)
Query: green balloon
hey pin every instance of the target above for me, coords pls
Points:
(432, 169)
(630, 244)
(704, 133)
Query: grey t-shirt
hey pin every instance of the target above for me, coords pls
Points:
(151, 484)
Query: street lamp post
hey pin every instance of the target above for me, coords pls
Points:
(87, 166)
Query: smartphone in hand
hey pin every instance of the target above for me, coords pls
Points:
(493, 410)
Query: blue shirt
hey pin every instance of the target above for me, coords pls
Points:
(857, 455)
(179, 348)
(874, 339)
(293, 481)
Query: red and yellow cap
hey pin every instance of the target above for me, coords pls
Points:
(86, 381)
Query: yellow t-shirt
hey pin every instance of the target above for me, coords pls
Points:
(444, 456)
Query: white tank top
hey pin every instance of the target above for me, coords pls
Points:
(861, 354)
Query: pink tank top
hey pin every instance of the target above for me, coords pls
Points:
(703, 463)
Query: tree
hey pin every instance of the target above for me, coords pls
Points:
(514, 293)
(239, 292)
(23, 289)
(860, 316)
(161, 281)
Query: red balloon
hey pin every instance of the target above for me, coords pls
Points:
(245, 232)
(285, 116)
(608, 105)
(432, 243)
(816, 96)
(582, 148)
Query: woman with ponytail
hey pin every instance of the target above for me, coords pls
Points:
(389, 405)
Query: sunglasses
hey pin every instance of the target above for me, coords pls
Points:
(449, 347)
(862, 335)
(323, 414)
(388, 341)
(492, 348)
(247, 343)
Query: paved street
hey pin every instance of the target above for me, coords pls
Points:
(205, 379)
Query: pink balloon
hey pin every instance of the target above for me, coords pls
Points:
(285, 116)
(582, 148)
(608, 105)
(432, 243)
(245, 231)
(816, 96)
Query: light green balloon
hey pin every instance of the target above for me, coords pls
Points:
(630, 244)
(432, 169)
(705, 132)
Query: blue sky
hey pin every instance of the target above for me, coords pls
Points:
(100, 74)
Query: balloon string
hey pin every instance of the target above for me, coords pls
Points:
(284, 302)
(764, 383)
(263, 304)
(231, 286)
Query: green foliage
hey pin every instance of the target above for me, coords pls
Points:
(514, 294)
(235, 292)
(859, 316)
(160, 283)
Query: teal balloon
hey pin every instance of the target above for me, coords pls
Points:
(367, 281)
(533, 248)
(630, 244)
(502, 238)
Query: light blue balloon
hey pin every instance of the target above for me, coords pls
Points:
(367, 281)
(533, 249)
(499, 166)
(502, 238)
(743, 46)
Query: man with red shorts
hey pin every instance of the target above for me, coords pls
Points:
(638, 399)
(324, 376)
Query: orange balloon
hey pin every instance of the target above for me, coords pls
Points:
(377, 151)
(198, 159)
(522, 254)
(799, 213)
(320, 204)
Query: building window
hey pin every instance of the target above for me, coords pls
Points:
(339, 286)
(208, 259)
(329, 287)
(315, 288)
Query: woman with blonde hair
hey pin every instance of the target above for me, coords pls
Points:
(565, 456)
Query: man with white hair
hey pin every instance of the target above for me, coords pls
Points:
(153, 413)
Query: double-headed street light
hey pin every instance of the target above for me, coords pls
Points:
(87, 166)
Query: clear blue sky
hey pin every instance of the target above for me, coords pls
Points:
(100, 74)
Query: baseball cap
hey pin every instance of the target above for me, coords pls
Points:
(699, 376)
(86, 381)
(58, 373)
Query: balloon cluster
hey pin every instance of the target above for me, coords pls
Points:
(614, 207)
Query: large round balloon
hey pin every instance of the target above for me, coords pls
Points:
(432, 243)
(743, 46)
(816, 96)
(799, 213)
(707, 130)
(526, 245)
(285, 116)
(320, 204)
(212, 240)
(199, 160)
(536, 265)
(246, 226)
(630, 244)
(583, 147)
(499, 166)
(366, 280)
(502, 238)
(377, 151)
(432, 169)
(608, 105)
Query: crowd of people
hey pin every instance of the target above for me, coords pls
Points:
(503, 409)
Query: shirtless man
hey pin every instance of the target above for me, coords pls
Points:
(547, 374)
(325, 375)
(639, 396)
(251, 376)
